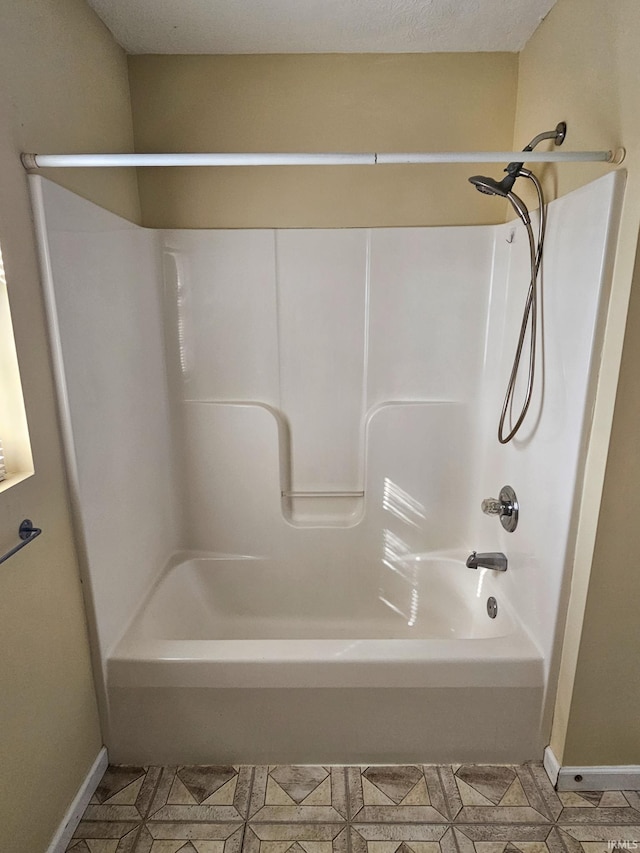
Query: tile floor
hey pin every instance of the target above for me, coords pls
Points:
(411, 809)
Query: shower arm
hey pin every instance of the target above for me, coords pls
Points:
(558, 135)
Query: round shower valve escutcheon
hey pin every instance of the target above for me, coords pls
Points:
(505, 506)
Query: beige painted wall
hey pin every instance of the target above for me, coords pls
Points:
(409, 102)
(583, 65)
(63, 86)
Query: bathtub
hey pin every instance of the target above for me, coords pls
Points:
(229, 662)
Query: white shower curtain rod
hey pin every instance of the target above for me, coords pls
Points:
(92, 161)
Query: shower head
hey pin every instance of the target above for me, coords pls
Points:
(502, 188)
(489, 186)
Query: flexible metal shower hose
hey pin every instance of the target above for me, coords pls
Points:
(529, 317)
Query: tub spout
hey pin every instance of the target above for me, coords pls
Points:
(495, 560)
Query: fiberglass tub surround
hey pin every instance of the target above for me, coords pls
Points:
(306, 419)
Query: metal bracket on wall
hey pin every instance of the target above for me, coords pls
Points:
(27, 533)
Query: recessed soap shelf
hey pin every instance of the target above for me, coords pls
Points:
(322, 508)
(322, 494)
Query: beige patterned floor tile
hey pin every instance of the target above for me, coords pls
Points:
(397, 809)
(393, 847)
(288, 794)
(296, 838)
(396, 838)
(538, 796)
(227, 837)
(124, 794)
(447, 781)
(573, 798)
(508, 832)
(633, 798)
(394, 783)
(609, 832)
(436, 787)
(104, 830)
(612, 799)
(191, 813)
(202, 793)
(105, 844)
(179, 795)
(536, 771)
(128, 796)
(373, 796)
(277, 796)
(454, 841)
(598, 816)
(559, 842)
(418, 795)
(296, 814)
(204, 781)
(500, 814)
(112, 813)
(499, 794)
(322, 795)
(395, 794)
(121, 783)
(514, 795)
(506, 787)
(186, 847)
(471, 796)
(593, 797)
(491, 782)
(296, 831)
(399, 814)
(298, 782)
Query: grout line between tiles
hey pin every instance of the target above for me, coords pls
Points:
(454, 835)
(244, 832)
(237, 824)
(153, 794)
(137, 837)
(250, 795)
(539, 790)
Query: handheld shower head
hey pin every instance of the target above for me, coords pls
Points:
(489, 186)
(502, 188)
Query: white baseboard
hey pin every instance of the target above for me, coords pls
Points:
(551, 765)
(622, 777)
(61, 839)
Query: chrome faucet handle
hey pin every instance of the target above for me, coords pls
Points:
(491, 506)
(506, 506)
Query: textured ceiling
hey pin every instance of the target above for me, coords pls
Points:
(321, 26)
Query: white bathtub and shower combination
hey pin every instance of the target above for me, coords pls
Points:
(252, 672)
(278, 442)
